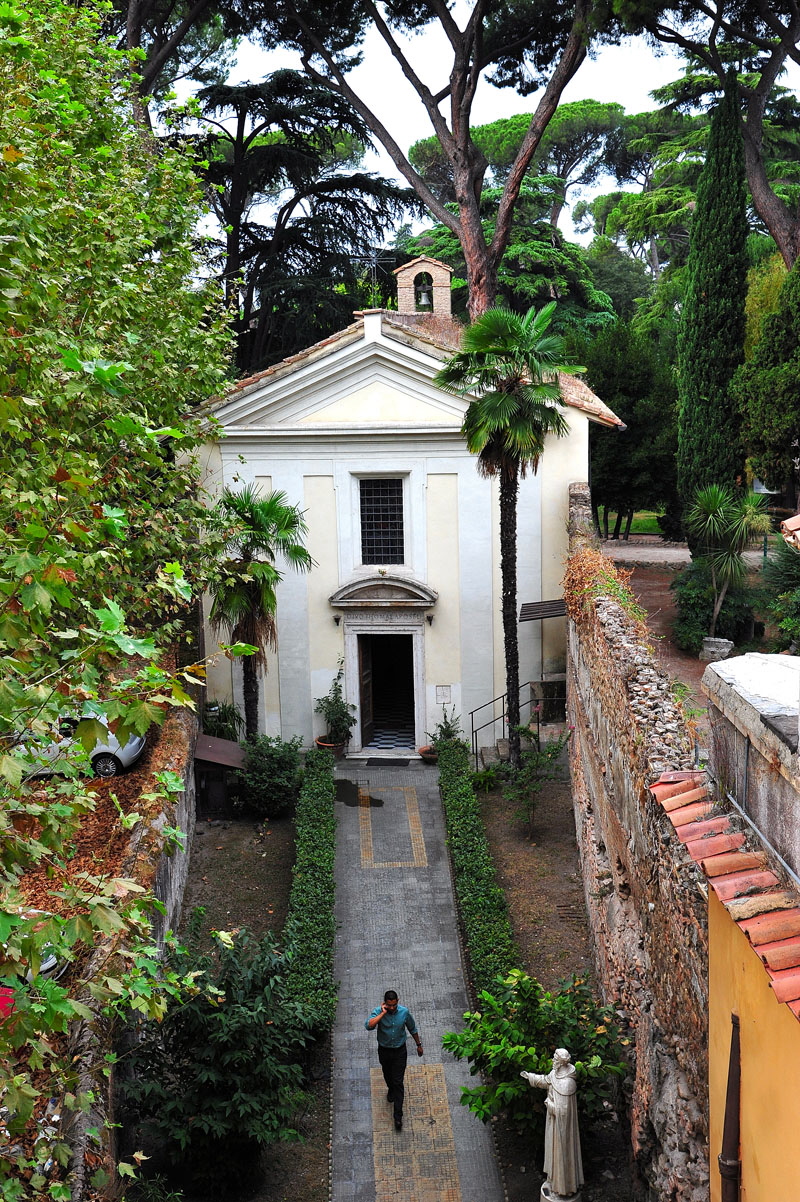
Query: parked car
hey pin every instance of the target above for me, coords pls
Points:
(107, 757)
(51, 964)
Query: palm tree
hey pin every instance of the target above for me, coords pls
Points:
(725, 524)
(511, 364)
(243, 599)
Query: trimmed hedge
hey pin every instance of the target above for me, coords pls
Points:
(489, 940)
(310, 925)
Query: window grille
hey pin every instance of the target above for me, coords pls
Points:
(382, 521)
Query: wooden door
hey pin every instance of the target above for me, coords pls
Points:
(365, 688)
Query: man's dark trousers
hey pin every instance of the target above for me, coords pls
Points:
(393, 1063)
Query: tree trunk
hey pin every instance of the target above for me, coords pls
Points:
(628, 524)
(509, 487)
(719, 597)
(250, 694)
(605, 522)
(617, 525)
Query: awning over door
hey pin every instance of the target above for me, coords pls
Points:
(534, 611)
(219, 751)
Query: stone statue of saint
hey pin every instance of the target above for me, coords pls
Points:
(562, 1145)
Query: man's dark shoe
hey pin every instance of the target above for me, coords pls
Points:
(398, 1124)
(389, 1097)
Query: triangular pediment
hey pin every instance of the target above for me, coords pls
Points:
(384, 591)
(357, 383)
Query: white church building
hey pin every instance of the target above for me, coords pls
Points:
(403, 530)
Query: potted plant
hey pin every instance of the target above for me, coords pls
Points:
(443, 732)
(339, 716)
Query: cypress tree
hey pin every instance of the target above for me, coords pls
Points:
(712, 327)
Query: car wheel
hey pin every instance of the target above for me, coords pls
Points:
(106, 765)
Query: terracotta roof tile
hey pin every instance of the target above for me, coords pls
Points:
(662, 790)
(704, 829)
(691, 813)
(683, 798)
(742, 878)
(742, 884)
(786, 984)
(766, 928)
(699, 849)
(783, 953)
(735, 861)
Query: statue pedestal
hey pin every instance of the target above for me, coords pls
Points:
(547, 1195)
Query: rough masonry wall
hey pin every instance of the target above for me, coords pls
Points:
(645, 898)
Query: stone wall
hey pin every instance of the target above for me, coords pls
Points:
(645, 898)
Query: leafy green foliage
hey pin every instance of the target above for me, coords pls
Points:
(448, 727)
(632, 468)
(712, 322)
(271, 775)
(310, 925)
(222, 720)
(259, 530)
(767, 389)
(538, 763)
(694, 599)
(517, 1028)
(219, 1075)
(288, 146)
(724, 525)
(108, 338)
(539, 263)
(338, 714)
(511, 366)
(481, 902)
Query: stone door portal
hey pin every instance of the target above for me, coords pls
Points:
(386, 687)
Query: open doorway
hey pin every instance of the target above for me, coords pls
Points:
(386, 679)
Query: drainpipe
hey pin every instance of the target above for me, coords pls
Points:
(730, 1167)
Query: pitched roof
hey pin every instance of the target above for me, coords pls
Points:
(437, 335)
(743, 875)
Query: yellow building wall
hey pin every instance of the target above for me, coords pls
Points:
(565, 461)
(770, 1057)
(443, 638)
(379, 402)
(325, 638)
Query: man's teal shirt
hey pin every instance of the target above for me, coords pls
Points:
(392, 1027)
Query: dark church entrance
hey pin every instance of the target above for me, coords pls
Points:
(386, 671)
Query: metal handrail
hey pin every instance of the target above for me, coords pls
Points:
(503, 715)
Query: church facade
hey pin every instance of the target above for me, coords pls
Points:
(403, 530)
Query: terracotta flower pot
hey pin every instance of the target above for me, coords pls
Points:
(336, 748)
(427, 754)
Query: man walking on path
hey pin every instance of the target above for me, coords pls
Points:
(392, 1020)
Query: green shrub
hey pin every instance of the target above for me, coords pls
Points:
(694, 596)
(782, 579)
(222, 720)
(270, 779)
(517, 1028)
(310, 925)
(219, 1076)
(481, 902)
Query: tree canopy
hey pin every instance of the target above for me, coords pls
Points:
(298, 221)
(534, 46)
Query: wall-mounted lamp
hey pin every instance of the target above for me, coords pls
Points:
(337, 618)
(430, 619)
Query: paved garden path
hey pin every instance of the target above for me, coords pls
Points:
(397, 930)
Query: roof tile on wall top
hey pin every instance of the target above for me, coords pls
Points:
(741, 877)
